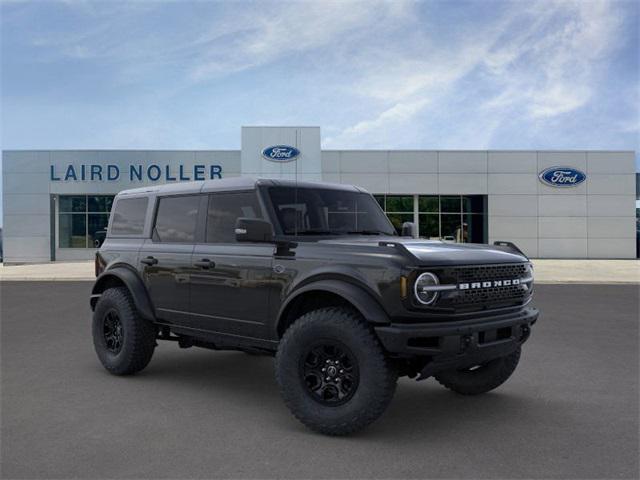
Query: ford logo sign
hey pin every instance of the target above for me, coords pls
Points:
(281, 153)
(562, 177)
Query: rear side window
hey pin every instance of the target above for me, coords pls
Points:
(176, 219)
(128, 216)
(224, 210)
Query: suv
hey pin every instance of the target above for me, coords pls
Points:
(316, 275)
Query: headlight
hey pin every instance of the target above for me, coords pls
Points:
(424, 289)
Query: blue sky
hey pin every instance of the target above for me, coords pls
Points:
(449, 75)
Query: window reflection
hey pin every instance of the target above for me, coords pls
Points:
(452, 218)
(82, 220)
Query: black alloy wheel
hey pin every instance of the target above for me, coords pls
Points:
(330, 373)
(113, 332)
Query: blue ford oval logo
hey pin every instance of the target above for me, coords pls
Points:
(280, 153)
(562, 176)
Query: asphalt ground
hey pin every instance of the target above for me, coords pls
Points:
(569, 411)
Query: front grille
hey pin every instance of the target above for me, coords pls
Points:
(486, 297)
(490, 295)
(489, 272)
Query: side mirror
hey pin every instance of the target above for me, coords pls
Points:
(408, 229)
(253, 230)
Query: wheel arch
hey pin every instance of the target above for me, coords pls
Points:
(123, 276)
(326, 293)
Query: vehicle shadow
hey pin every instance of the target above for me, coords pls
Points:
(418, 409)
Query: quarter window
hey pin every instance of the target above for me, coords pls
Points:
(224, 209)
(176, 219)
(129, 216)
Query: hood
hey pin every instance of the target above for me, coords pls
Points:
(436, 252)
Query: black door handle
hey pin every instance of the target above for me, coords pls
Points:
(149, 261)
(205, 263)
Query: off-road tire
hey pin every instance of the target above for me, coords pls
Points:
(139, 335)
(377, 376)
(481, 380)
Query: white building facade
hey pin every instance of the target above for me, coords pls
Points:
(552, 204)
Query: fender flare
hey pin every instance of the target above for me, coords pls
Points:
(362, 300)
(133, 282)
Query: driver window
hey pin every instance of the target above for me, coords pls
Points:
(224, 209)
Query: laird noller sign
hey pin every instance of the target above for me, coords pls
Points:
(133, 173)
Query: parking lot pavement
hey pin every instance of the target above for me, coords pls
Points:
(570, 411)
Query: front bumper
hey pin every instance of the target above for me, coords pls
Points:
(459, 344)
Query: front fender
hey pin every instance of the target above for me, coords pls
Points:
(357, 296)
(132, 281)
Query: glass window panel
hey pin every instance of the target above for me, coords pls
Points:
(450, 204)
(72, 230)
(97, 228)
(72, 203)
(176, 219)
(129, 216)
(399, 204)
(100, 203)
(429, 204)
(451, 227)
(224, 210)
(429, 226)
(474, 204)
(380, 200)
(476, 228)
(397, 219)
(319, 211)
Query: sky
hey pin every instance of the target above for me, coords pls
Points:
(375, 74)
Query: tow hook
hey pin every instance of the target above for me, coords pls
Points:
(526, 331)
(465, 342)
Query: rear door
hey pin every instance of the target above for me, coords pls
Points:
(230, 290)
(166, 257)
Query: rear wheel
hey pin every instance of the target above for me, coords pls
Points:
(333, 373)
(480, 378)
(123, 341)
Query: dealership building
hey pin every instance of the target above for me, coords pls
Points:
(551, 204)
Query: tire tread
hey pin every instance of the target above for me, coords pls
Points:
(141, 332)
(342, 318)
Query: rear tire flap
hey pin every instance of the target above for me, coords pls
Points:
(377, 376)
(138, 337)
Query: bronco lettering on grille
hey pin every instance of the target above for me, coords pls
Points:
(488, 284)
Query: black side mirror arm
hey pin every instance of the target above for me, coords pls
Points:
(285, 248)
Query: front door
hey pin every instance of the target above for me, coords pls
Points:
(230, 289)
(166, 257)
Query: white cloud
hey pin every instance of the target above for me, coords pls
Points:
(375, 73)
(263, 37)
(540, 60)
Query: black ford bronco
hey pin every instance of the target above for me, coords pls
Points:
(316, 275)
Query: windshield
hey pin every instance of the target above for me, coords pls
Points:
(311, 211)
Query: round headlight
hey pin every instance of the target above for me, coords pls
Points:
(423, 290)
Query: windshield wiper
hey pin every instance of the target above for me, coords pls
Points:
(338, 232)
(367, 232)
(314, 232)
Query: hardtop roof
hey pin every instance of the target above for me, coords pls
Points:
(230, 184)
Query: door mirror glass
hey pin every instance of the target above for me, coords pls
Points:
(408, 229)
(253, 230)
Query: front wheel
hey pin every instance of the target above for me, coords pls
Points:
(480, 378)
(333, 373)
